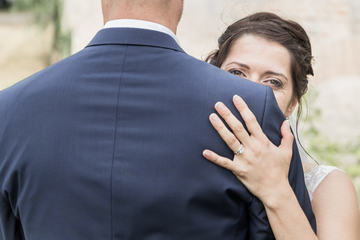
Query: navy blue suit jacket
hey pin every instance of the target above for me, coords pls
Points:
(107, 144)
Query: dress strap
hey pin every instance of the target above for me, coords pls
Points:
(315, 176)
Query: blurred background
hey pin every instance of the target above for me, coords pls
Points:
(37, 33)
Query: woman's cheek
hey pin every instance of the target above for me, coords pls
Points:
(280, 101)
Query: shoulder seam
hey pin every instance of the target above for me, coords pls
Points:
(265, 103)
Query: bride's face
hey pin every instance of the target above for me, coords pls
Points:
(264, 62)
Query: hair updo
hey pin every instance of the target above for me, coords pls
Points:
(273, 28)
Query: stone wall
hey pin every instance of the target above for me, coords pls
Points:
(24, 48)
(83, 18)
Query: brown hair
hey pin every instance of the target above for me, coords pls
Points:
(272, 28)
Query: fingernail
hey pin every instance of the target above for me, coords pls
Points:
(214, 117)
(237, 98)
(219, 106)
(206, 153)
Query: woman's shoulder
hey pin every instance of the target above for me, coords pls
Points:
(333, 180)
(335, 203)
(315, 175)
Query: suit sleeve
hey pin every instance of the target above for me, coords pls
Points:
(10, 226)
(271, 123)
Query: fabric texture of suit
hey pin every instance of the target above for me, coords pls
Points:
(107, 144)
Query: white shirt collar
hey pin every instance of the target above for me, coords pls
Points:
(134, 23)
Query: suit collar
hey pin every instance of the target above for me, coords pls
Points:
(134, 36)
(135, 23)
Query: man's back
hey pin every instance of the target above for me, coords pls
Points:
(107, 145)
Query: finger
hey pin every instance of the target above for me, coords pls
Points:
(287, 138)
(235, 125)
(228, 137)
(221, 161)
(249, 118)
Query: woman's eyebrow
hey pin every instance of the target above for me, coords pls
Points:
(240, 64)
(277, 74)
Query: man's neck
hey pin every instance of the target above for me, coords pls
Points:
(150, 13)
(135, 23)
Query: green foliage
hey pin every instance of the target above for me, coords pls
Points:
(49, 12)
(45, 10)
(325, 151)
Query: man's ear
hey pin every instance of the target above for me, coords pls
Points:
(291, 107)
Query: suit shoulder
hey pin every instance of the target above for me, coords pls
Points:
(201, 69)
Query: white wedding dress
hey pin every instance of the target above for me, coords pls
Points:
(316, 175)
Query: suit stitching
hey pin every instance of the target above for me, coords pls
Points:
(263, 114)
(113, 156)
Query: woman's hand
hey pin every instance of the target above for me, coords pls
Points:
(261, 166)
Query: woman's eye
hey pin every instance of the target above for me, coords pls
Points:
(275, 83)
(237, 72)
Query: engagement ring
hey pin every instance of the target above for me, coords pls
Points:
(240, 150)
